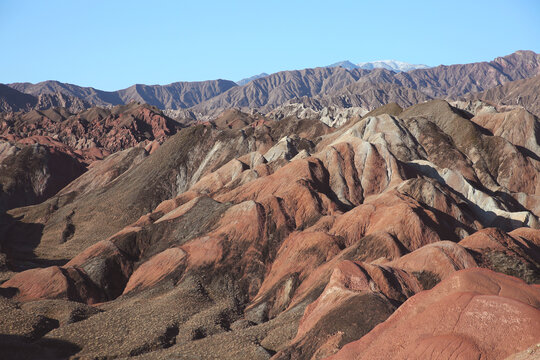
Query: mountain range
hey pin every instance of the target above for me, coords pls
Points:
(208, 98)
(173, 96)
(324, 213)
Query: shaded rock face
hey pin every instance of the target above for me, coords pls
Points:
(32, 173)
(290, 239)
(13, 100)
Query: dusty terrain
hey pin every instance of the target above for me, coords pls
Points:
(405, 232)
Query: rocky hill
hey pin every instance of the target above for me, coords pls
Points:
(12, 100)
(41, 151)
(404, 233)
(525, 93)
(93, 131)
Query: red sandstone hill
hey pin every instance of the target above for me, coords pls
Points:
(457, 320)
(41, 151)
(406, 233)
(94, 130)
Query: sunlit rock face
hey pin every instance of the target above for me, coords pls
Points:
(400, 233)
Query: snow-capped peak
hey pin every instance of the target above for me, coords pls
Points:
(393, 65)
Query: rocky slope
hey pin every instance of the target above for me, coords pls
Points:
(523, 93)
(93, 133)
(404, 233)
(454, 320)
(41, 151)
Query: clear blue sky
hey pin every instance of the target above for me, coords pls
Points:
(113, 44)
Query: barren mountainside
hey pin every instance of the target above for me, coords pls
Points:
(420, 84)
(173, 96)
(255, 238)
(275, 89)
(12, 100)
(524, 92)
(325, 213)
(206, 99)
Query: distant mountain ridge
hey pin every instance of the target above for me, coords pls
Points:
(176, 95)
(251, 78)
(12, 100)
(392, 65)
(342, 86)
(271, 91)
(405, 88)
(344, 64)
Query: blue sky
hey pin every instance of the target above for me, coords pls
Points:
(113, 44)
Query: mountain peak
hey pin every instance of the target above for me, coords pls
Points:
(345, 64)
(393, 65)
(249, 79)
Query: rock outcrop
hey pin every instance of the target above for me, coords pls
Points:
(473, 314)
(523, 92)
(93, 133)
